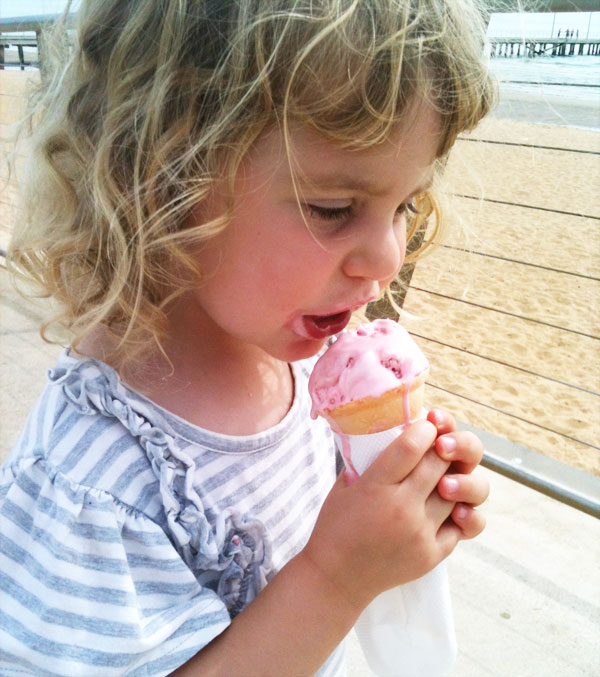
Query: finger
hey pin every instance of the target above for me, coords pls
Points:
(438, 509)
(442, 420)
(462, 448)
(427, 474)
(403, 455)
(470, 522)
(448, 535)
(472, 489)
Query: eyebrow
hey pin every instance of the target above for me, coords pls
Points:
(350, 182)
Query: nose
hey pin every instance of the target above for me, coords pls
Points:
(378, 252)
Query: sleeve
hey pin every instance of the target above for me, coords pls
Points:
(89, 586)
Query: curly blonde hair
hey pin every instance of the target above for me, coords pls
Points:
(157, 99)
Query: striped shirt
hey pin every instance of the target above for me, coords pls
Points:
(130, 538)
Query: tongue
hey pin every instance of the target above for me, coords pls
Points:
(322, 326)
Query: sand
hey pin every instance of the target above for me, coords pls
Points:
(512, 327)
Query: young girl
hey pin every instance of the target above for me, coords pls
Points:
(215, 188)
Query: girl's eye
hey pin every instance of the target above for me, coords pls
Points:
(410, 207)
(345, 212)
(330, 213)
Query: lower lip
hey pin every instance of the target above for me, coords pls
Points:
(317, 327)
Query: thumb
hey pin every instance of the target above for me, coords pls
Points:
(402, 456)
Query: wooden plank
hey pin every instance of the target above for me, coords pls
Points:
(14, 91)
(547, 351)
(18, 83)
(12, 109)
(527, 176)
(7, 141)
(17, 170)
(9, 192)
(514, 132)
(562, 409)
(566, 301)
(558, 241)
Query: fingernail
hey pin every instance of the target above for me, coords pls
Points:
(438, 415)
(451, 485)
(447, 444)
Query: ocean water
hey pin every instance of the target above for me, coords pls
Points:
(575, 77)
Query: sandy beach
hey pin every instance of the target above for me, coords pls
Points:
(511, 326)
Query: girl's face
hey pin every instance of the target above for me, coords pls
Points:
(272, 282)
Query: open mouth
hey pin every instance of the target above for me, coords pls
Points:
(322, 326)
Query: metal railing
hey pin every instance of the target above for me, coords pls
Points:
(549, 487)
(11, 27)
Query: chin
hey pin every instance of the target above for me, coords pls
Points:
(302, 350)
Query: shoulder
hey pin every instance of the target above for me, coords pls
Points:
(91, 570)
(89, 429)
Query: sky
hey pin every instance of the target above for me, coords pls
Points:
(543, 24)
(10, 8)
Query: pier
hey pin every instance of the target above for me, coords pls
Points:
(531, 47)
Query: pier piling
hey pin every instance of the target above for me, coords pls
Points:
(533, 47)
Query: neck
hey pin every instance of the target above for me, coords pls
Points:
(208, 378)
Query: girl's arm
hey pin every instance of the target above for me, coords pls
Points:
(389, 527)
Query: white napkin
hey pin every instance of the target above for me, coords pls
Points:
(364, 449)
(407, 631)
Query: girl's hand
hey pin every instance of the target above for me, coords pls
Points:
(389, 527)
(464, 451)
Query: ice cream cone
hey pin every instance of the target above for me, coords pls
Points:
(370, 380)
(369, 385)
(374, 414)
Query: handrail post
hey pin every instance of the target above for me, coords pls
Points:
(41, 47)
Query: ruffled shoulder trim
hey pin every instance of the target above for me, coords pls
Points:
(232, 548)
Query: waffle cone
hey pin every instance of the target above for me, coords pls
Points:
(374, 414)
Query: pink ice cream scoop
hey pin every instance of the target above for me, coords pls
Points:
(370, 379)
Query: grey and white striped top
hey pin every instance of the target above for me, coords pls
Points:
(130, 538)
